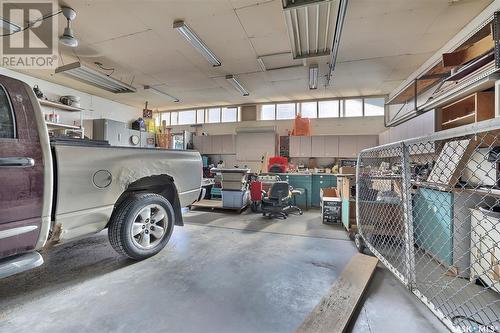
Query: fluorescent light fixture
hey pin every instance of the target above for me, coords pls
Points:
(310, 25)
(159, 92)
(336, 38)
(262, 66)
(196, 42)
(97, 79)
(313, 76)
(9, 26)
(237, 85)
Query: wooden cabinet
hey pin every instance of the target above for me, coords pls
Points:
(250, 147)
(324, 146)
(300, 146)
(331, 146)
(468, 110)
(228, 144)
(348, 146)
(198, 143)
(215, 144)
(318, 145)
(366, 141)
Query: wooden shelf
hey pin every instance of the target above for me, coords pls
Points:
(464, 120)
(468, 110)
(59, 106)
(63, 126)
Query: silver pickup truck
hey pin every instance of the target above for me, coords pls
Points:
(56, 191)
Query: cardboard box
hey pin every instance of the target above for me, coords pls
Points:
(326, 193)
(347, 170)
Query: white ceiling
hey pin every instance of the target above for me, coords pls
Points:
(383, 42)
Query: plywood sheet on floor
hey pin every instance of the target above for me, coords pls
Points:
(336, 309)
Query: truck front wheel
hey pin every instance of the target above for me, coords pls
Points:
(141, 225)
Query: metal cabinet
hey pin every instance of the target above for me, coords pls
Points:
(300, 181)
(442, 225)
(115, 132)
(433, 223)
(147, 140)
(319, 182)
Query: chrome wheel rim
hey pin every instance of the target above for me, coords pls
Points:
(149, 226)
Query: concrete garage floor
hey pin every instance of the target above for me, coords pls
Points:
(219, 273)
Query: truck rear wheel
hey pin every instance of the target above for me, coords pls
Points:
(141, 225)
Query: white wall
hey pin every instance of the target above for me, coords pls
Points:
(416, 127)
(96, 107)
(324, 126)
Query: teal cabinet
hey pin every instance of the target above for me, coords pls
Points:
(300, 181)
(433, 223)
(319, 182)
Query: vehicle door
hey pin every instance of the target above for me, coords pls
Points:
(21, 170)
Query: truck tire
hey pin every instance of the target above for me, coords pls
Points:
(141, 225)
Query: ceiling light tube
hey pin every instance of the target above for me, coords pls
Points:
(196, 42)
(159, 92)
(313, 76)
(336, 38)
(97, 79)
(9, 26)
(237, 85)
(261, 64)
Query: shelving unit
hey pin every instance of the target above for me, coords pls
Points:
(61, 126)
(468, 110)
(59, 106)
(64, 126)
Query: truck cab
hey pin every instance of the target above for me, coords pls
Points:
(60, 190)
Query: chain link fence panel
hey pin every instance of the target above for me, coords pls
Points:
(429, 209)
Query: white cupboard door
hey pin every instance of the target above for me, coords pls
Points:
(294, 146)
(331, 146)
(348, 145)
(366, 141)
(228, 144)
(207, 144)
(198, 143)
(217, 144)
(305, 146)
(318, 146)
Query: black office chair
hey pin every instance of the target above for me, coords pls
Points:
(277, 204)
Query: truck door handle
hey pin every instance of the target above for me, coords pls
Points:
(16, 162)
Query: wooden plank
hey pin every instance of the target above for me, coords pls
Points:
(472, 51)
(204, 203)
(335, 310)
